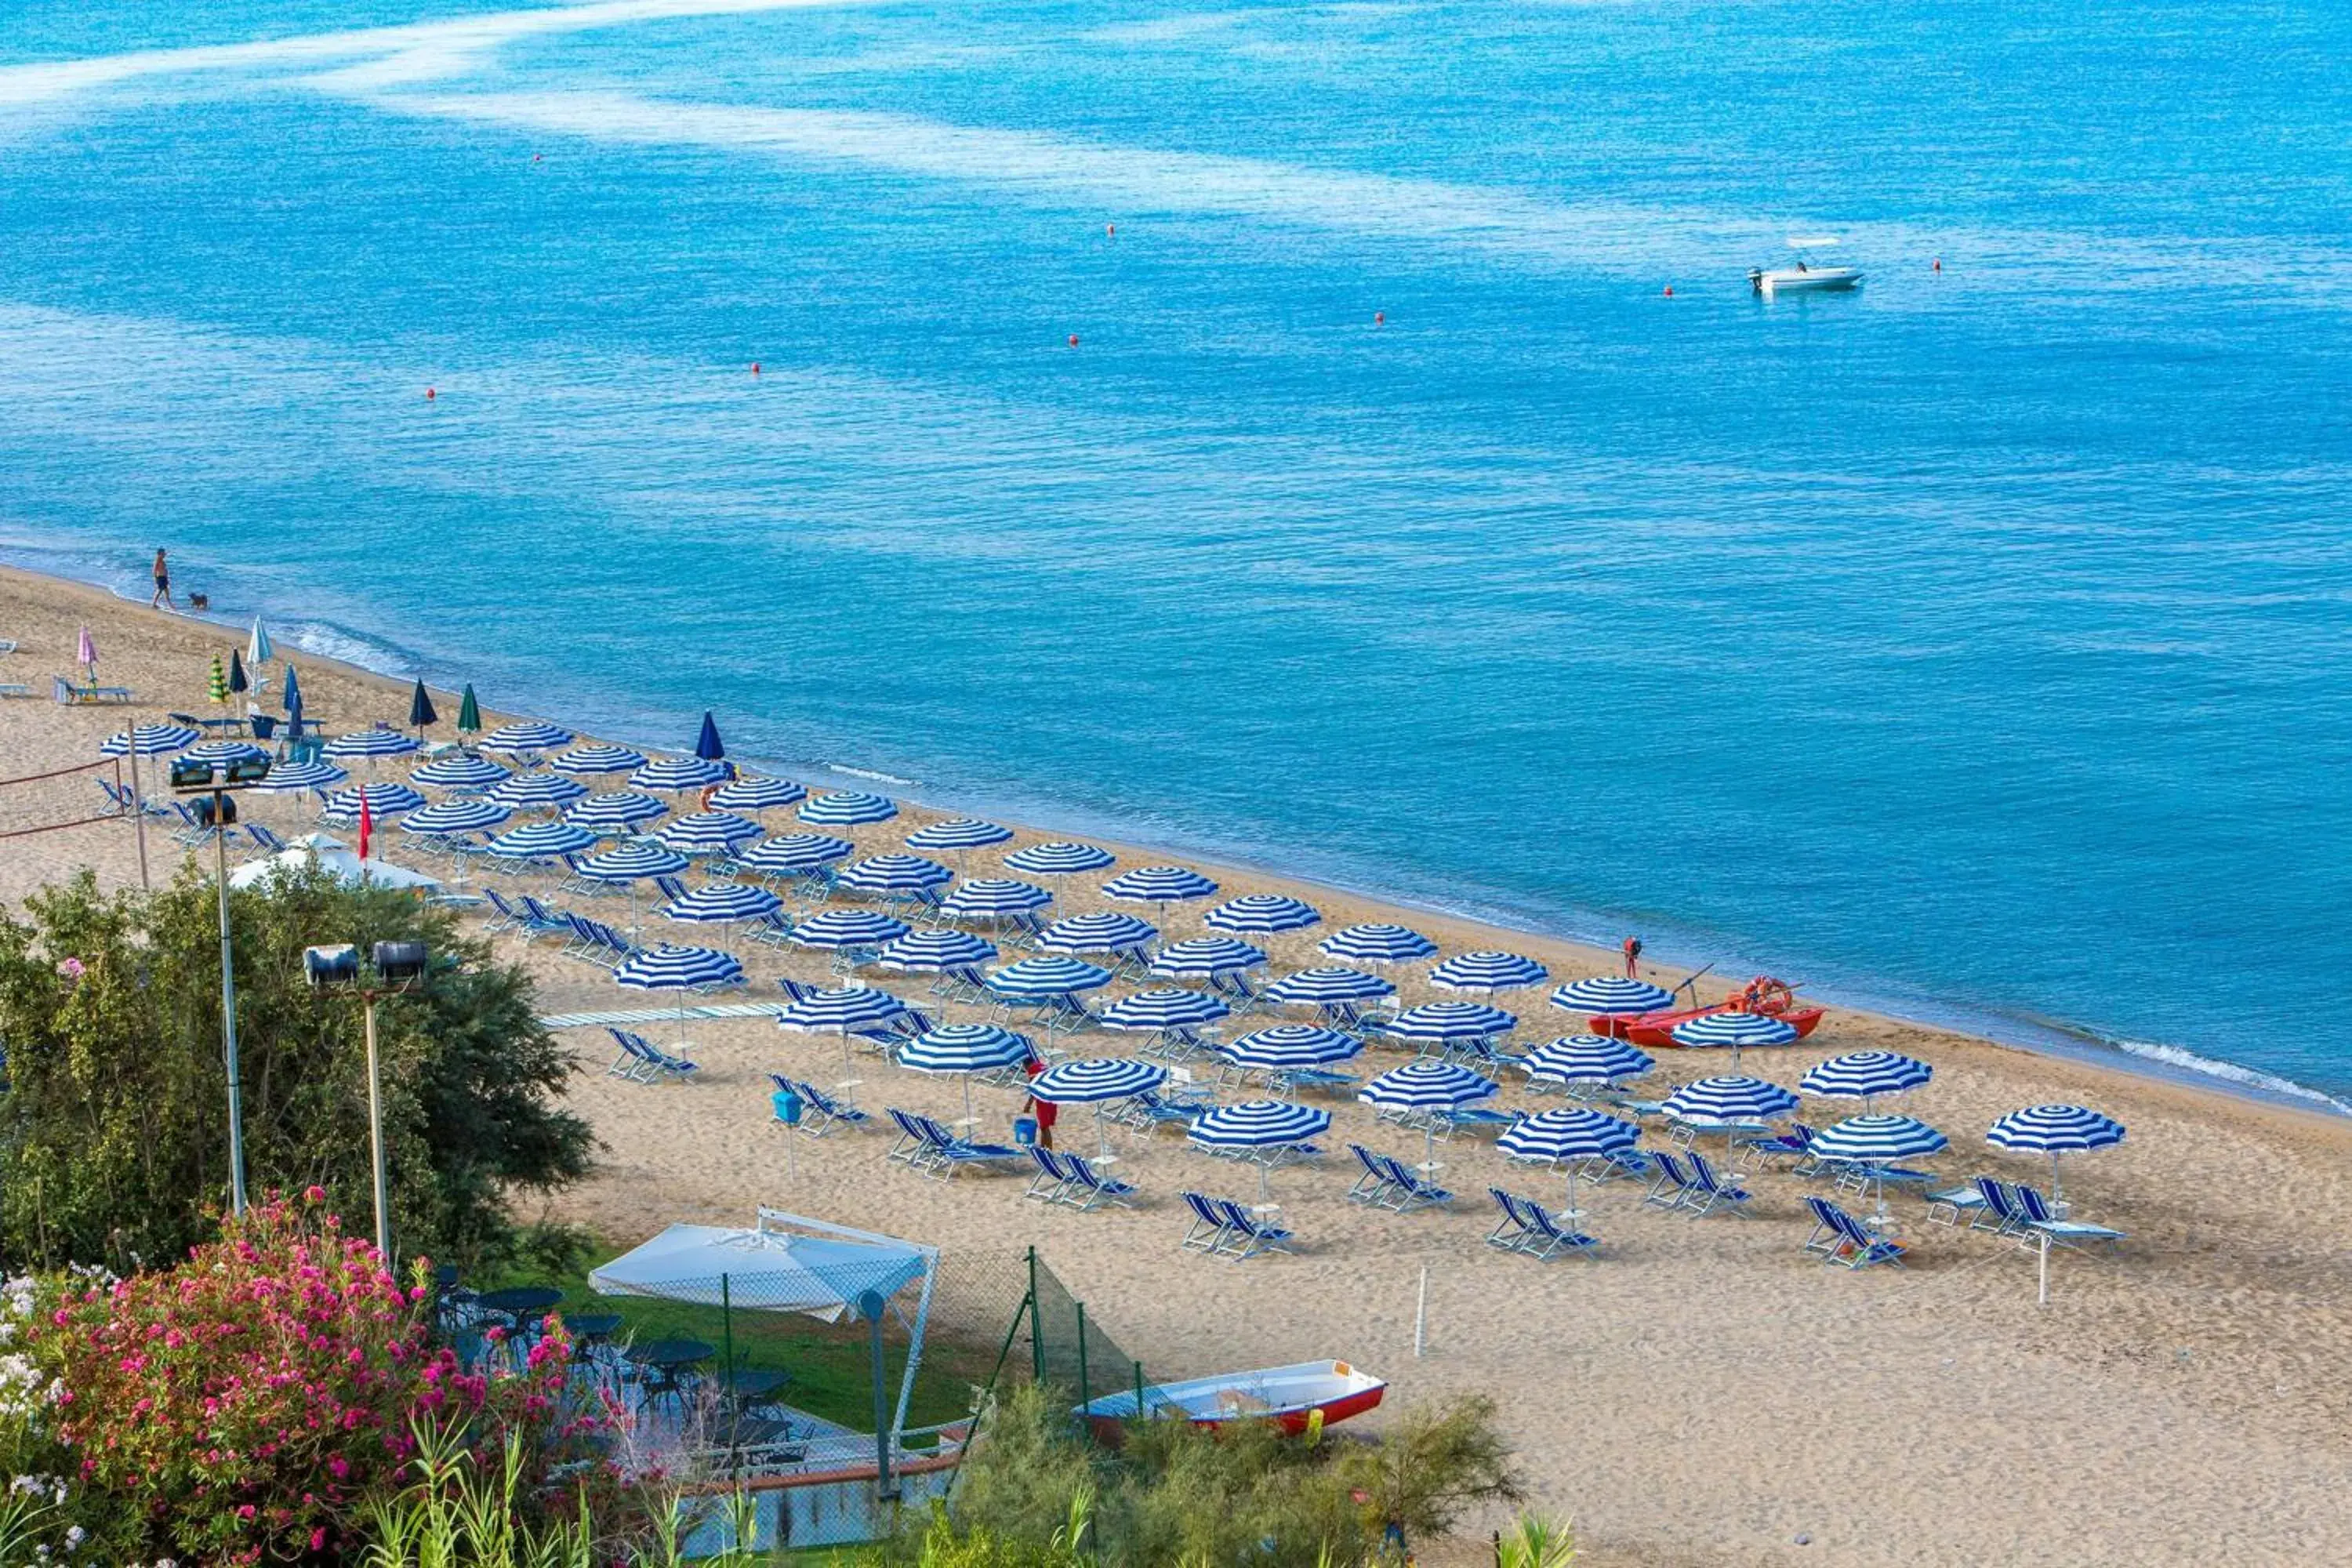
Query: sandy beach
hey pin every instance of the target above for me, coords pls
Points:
(1701, 1393)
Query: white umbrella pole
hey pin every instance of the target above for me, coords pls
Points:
(2055, 1195)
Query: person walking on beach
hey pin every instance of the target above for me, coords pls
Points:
(163, 599)
(1042, 1109)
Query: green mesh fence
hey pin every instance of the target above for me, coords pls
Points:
(1070, 1350)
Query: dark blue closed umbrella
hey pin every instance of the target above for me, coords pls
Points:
(420, 709)
(707, 745)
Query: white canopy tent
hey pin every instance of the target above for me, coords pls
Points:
(336, 861)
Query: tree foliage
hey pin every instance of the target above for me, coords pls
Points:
(113, 1123)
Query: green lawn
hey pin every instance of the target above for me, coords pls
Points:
(830, 1365)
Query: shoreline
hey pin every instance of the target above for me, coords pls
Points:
(2144, 1062)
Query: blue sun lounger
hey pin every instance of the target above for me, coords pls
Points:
(1247, 1234)
(2040, 1221)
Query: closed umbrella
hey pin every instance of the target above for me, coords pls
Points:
(421, 716)
(469, 712)
(216, 682)
(86, 655)
(258, 649)
(707, 745)
(236, 676)
(290, 696)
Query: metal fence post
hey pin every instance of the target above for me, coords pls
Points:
(1036, 1324)
(1086, 1391)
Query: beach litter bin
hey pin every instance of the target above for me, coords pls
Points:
(787, 1106)
(1024, 1131)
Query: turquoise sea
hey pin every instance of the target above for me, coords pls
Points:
(1975, 644)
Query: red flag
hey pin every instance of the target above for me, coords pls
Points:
(367, 825)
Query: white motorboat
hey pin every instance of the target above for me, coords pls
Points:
(1804, 276)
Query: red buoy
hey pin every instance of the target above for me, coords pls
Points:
(535, 157)
(1940, 264)
(1110, 229)
(428, 395)
(1670, 291)
(755, 367)
(1073, 340)
(1380, 318)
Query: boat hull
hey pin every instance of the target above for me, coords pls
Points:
(1656, 1029)
(1291, 1398)
(1812, 280)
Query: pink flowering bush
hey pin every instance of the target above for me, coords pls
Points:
(245, 1404)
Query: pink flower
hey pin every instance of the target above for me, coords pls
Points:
(71, 968)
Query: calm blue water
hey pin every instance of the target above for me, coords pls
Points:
(1977, 641)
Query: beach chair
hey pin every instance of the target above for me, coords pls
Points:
(626, 1063)
(1600, 1168)
(1710, 1190)
(2041, 1221)
(1945, 1208)
(1827, 1235)
(1207, 1232)
(671, 888)
(582, 943)
(67, 692)
(1149, 1112)
(1371, 1186)
(770, 930)
(1468, 1119)
(1247, 1234)
(1792, 1147)
(949, 1153)
(1052, 1180)
(1552, 1237)
(268, 842)
(504, 916)
(1863, 1249)
(677, 1068)
(2000, 1214)
(912, 1148)
(1511, 1232)
(576, 884)
(118, 801)
(1089, 1187)
(1671, 1185)
(793, 990)
(826, 1109)
(191, 832)
(1408, 1189)
(539, 921)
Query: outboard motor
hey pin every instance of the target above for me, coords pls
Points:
(1756, 279)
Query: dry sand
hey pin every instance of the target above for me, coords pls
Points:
(1701, 1394)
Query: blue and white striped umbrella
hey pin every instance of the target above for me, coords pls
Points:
(285, 778)
(1283, 1046)
(847, 928)
(153, 741)
(1729, 1098)
(370, 743)
(456, 816)
(848, 808)
(830, 1012)
(676, 775)
(1095, 1080)
(525, 791)
(459, 771)
(628, 862)
(1106, 931)
(1611, 996)
(2055, 1129)
(1060, 858)
(1558, 1135)
(542, 841)
(957, 833)
(598, 758)
(213, 752)
(1379, 943)
(1205, 957)
(894, 874)
(1427, 1085)
(668, 968)
(1566, 1137)
(796, 852)
(721, 903)
(983, 896)
(1258, 1124)
(383, 800)
(706, 832)
(965, 1049)
(1445, 1022)
(1873, 1140)
(616, 811)
(1328, 986)
(1861, 1075)
(1034, 977)
(526, 738)
(930, 952)
(757, 794)
(1488, 970)
(1163, 1007)
(1158, 885)
(1734, 1029)
(1262, 914)
(1587, 1059)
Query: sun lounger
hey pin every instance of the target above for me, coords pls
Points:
(1052, 1179)
(2000, 1214)
(1946, 1207)
(1511, 1231)
(821, 1109)
(67, 692)
(912, 1148)
(191, 832)
(770, 930)
(1150, 1111)
(1371, 1186)
(2041, 1221)
(268, 842)
(945, 1154)
(1602, 1168)
(1408, 1189)
(1207, 1231)
(1672, 1183)
(1549, 1235)
(654, 1063)
(1785, 1150)
(1247, 1234)
(1090, 1188)
(539, 921)
(1710, 1190)
(1838, 1237)
(1469, 1118)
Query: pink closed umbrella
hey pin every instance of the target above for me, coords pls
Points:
(86, 655)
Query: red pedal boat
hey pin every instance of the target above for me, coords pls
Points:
(1313, 1394)
(1774, 998)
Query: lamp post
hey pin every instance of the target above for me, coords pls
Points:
(215, 781)
(397, 966)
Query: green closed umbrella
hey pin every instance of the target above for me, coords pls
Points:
(216, 685)
(469, 714)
